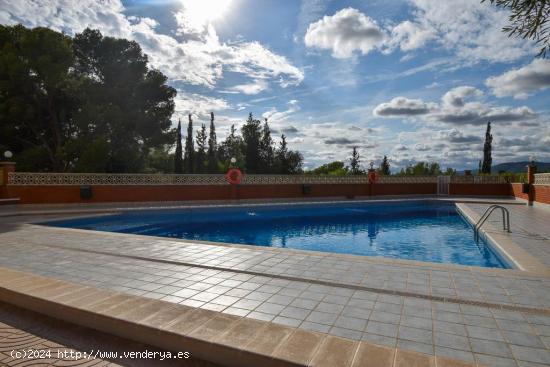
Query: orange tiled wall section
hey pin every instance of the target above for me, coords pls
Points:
(126, 193)
(542, 193)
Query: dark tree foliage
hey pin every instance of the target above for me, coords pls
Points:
(354, 162)
(529, 19)
(251, 132)
(89, 103)
(267, 152)
(231, 147)
(487, 148)
(283, 164)
(336, 168)
(178, 155)
(385, 167)
(212, 147)
(200, 154)
(189, 156)
(421, 169)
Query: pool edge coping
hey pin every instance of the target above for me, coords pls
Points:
(209, 331)
(504, 245)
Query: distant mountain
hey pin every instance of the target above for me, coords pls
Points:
(519, 167)
(513, 167)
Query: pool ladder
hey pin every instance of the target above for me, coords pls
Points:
(487, 214)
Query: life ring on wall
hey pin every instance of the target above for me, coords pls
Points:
(373, 177)
(234, 176)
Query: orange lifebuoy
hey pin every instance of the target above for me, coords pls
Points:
(373, 176)
(234, 176)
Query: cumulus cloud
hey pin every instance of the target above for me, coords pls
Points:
(345, 32)
(470, 29)
(196, 57)
(456, 136)
(249, 88)
(454, 109)
(197, 104)
(402, 106)
(279, 116)
(456, 96)
(410, 35)
(522, 82)
(341, 141)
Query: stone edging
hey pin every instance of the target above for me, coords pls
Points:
(208, 335)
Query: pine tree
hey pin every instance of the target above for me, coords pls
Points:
(266, 149)
(385, 167)
(354, 162)
(200, 157)
(282, 156)
(212, 147)
(487, 159)
(189, 157)
(251, 132)
(178, 159)
(479, 167)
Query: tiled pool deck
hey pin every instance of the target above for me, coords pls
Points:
(486, 316)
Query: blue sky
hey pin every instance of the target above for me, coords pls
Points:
(411, 79)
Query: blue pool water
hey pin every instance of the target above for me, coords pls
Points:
(418, 230)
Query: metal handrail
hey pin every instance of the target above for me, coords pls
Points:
(487, 214)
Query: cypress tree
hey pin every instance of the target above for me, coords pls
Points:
(188, 158)
(282, 156)
(178, 159)
(201, 150)
(487, 159)
(266, 149)
(251, 132)
(212, 147)
(385, 167)
(354, 162)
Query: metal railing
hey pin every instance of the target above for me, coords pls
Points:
(487, 214)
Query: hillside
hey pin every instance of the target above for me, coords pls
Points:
(520, 167)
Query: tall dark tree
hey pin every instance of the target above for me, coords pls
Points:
(528, 19)
(487, 148)
(126, 104)
(283, 163)
(251, 132)
(36, 97)
(385, 167)
(212, 147)
(189, 156)
(200, 156)
(354, 162)
(267, 153)
(85, 104)
(178, 155)
(231, 147)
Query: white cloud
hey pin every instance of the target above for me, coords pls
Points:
(197, 57)
(456, 96)
(249, 88)
(469, 28)
(522, 82)
(402, 106)
(197, 104)
(345, 32)
(409, 35)
(454, 109)
(277, 117)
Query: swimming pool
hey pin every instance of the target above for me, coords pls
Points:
(415, 230)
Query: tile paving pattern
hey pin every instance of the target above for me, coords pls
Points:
(490, 336)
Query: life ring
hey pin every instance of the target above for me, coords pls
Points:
(373, 177)
(234, 176)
